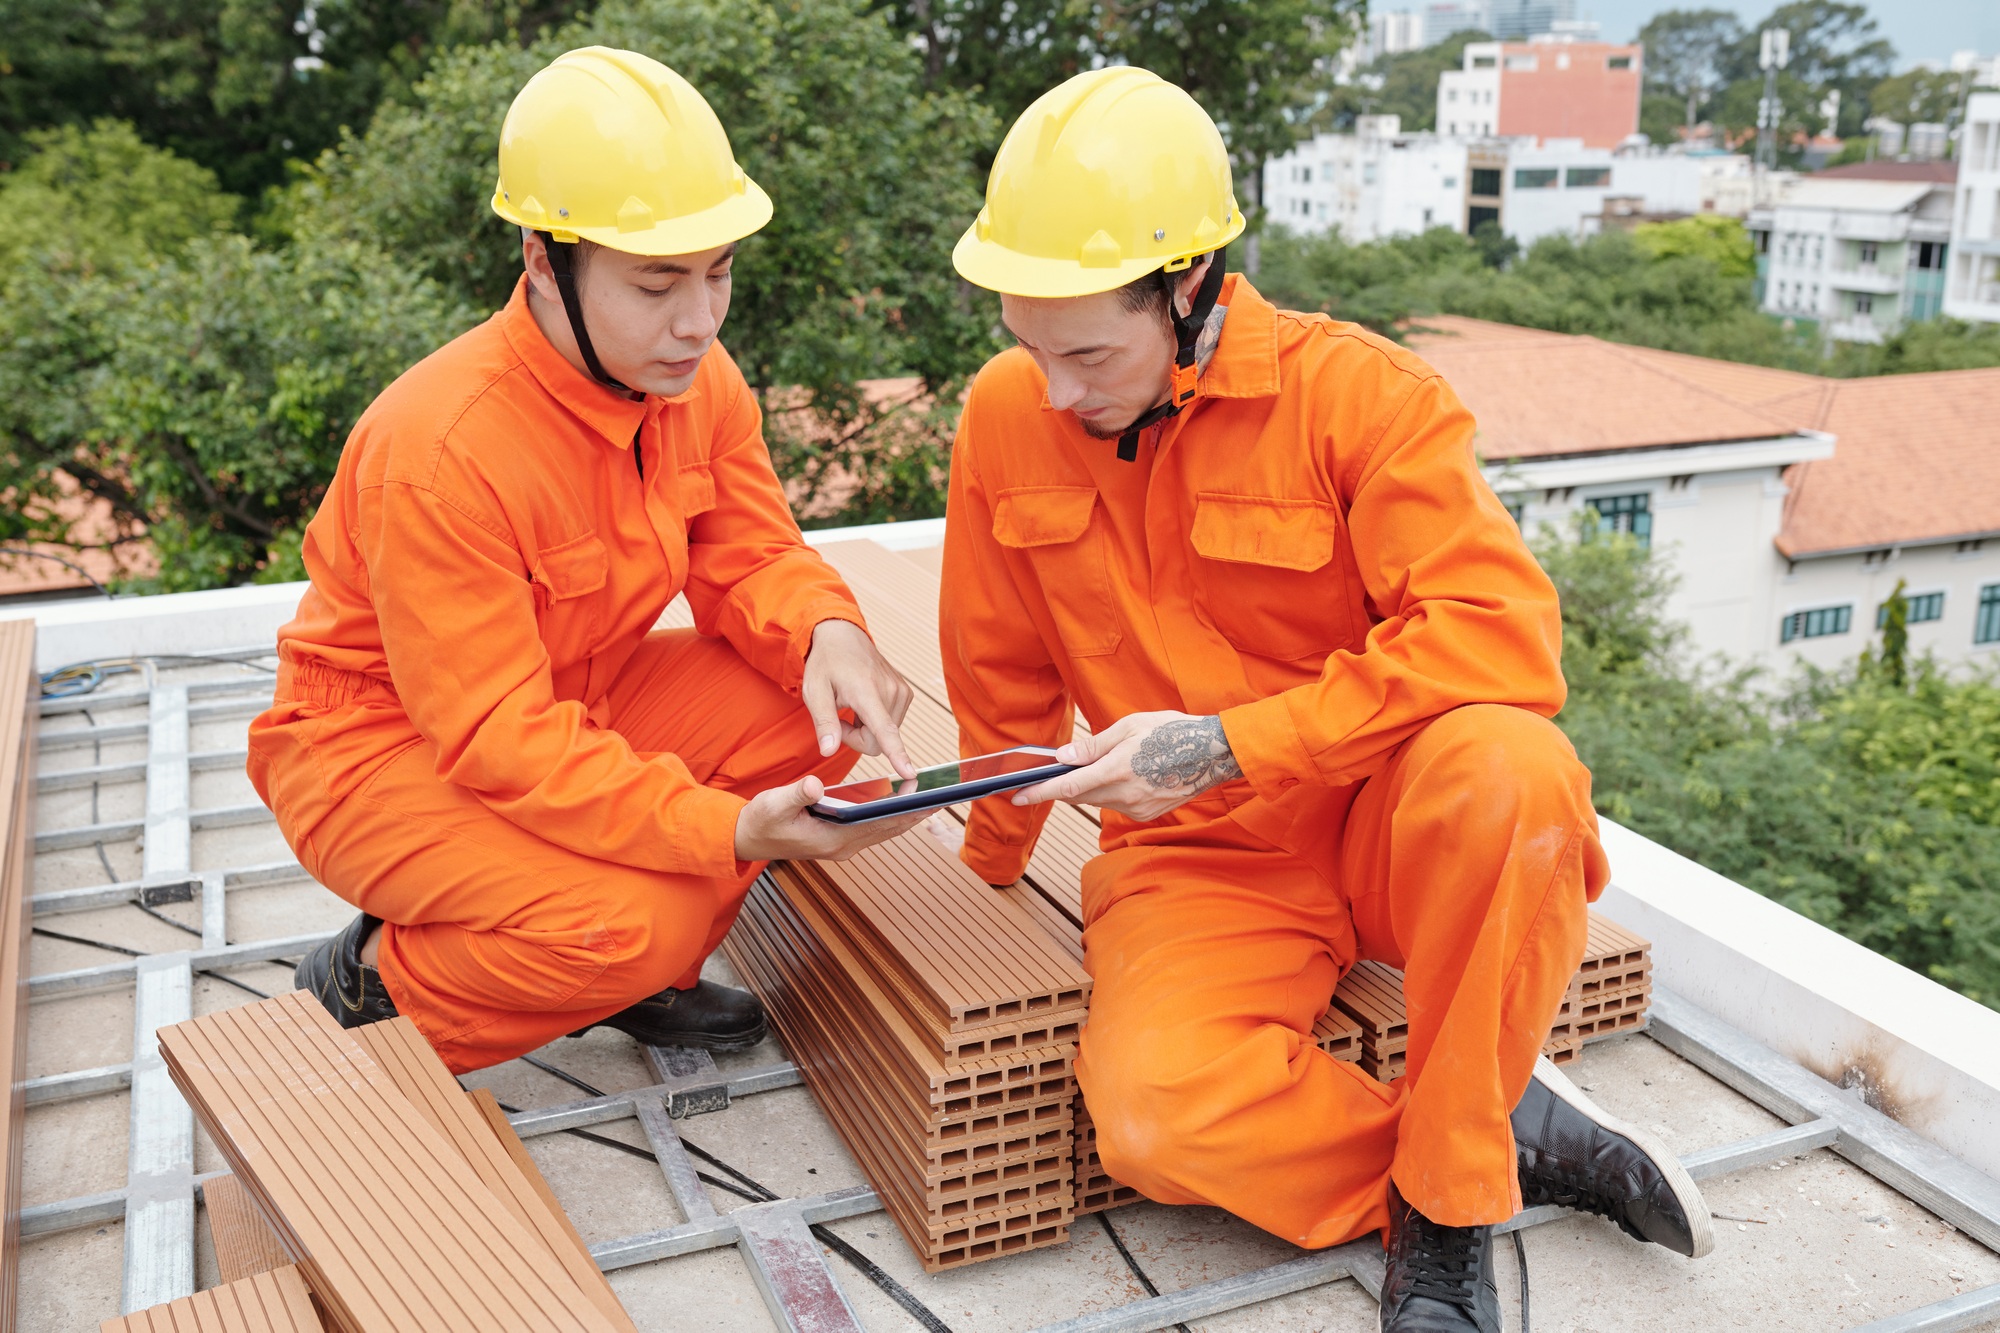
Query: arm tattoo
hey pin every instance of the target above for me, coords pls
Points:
(1194, 753)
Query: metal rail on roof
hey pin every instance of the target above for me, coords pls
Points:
(774, 1238)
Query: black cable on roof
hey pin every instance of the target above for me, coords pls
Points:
(1104, 1220)
(1521, 1260)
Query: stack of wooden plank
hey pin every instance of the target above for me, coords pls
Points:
(405, 1203)
(936, 1024)
(19, 694)
(1371, 995)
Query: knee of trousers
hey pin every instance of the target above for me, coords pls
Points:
(1495, 766)
(1151, 1097)
(640, 942)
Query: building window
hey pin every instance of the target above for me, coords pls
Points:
(1626, 513)
(1817, 623)
(1486, 180)
(1618, 62)
(1986, 629)
(1476, 216)
(1368, 173)
(1924, 606)
(1864, 303)
(1868, 252)
(1525, 64)
(1449, 183)
(1517, 505)
(1535, 178)
(1930, 254)
(1587, 178)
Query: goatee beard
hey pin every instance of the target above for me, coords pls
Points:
(1098, 431)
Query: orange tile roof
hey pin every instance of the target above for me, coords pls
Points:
(1553, 395)
(1916, 457)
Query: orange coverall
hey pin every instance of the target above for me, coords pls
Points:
(1310, 552)
(477, 736)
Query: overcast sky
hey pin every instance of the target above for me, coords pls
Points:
(1920, 29)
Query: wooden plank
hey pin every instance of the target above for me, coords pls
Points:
(951, 946)
(395, 1231)
(488, 1106)
(18, 714)
(421, 1077)
(245, 1245)
(269, 1302)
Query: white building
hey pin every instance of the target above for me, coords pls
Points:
(1790, 505)
(1857, 256)
(1468, 98)
(1393, 31)
(1372, 184)
(1972, 284)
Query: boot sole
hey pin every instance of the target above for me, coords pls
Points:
(1686, 1193)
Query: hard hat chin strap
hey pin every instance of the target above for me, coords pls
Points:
(1187, 339)
(562, 261)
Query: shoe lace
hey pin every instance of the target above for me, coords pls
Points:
(1571, 1187)
(1443, 1262)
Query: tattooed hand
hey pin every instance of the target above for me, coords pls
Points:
(1142, 766)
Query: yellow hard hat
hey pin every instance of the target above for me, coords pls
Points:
(613, 147)
(1105, 178)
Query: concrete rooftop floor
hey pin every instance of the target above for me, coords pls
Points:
(1810, 1244)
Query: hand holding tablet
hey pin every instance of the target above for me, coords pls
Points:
(936, 788)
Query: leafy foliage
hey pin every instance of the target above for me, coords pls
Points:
(1870, 806)
(238, 86)
(1402, 84)
(1684, 286)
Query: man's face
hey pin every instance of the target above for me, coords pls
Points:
(651, 318)
(1105, 364)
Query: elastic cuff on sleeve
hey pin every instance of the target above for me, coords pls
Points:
(705, 837)
(1265, 741)
(833, 608)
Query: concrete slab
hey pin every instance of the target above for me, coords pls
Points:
(1811, 1244)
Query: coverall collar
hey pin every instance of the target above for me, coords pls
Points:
(611, 414)
(1245, 364)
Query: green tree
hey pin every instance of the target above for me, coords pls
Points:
(1684, 54)
(1722, 241)
(98, 196)
(872, 176)
(1841, 795)
(1404, 84)
(1919, 96)
(1834, 46)
(239, 86)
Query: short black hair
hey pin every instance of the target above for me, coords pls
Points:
(1151, 292)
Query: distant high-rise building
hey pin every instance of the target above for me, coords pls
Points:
(1545, 89)
(1454, 16)
(1518, 20)
(1393, 31)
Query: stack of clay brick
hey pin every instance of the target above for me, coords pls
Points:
(936, 1025)
(369, 1191)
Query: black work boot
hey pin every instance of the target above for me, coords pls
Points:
(708, 1016)
(1572, 1153)
(1437, 1279)
(350, 989)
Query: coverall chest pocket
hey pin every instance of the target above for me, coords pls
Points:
(697, 490)
(1271, 584)
(1058, 528)
(563, 578)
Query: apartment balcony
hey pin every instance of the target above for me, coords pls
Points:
(1868, 278)
(1854, 329)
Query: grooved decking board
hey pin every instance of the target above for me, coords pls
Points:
(488, 1107)
(19, 687)
(421, 1077)
(267, 1302)
(393, 1228)
(955, 949)
(906, 1081)
(1372, 995)
(943, 1233)
(1053, 923)
(245, 1245)
(1338, 1035)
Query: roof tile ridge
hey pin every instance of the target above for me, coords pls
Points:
(1628, 352)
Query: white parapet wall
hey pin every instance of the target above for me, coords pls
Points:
(1925, 1055)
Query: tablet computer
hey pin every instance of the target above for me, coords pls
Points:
(936, 788)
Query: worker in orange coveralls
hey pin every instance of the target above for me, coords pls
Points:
(547, 813)
(1253, 547)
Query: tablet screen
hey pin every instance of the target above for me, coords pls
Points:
(944, 775)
